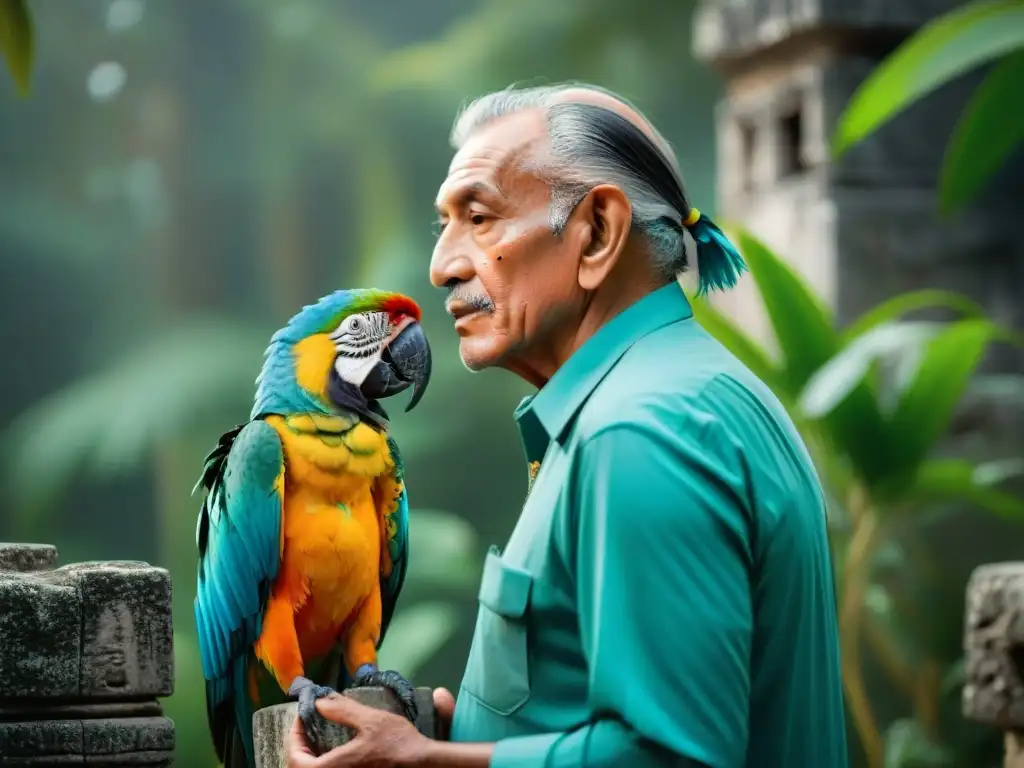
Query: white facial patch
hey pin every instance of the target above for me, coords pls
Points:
(359, 340)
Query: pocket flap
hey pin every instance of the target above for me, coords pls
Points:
(504, 588)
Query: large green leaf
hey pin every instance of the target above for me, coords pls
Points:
(905, 303)
(943, 49)
(957, 480)
(749, 352)
(802, 324)
(989, 129)
(841, 375)
(110, 422)
(807, 340)
(924, 411)
(17, 41)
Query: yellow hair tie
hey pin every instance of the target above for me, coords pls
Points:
(691, 218)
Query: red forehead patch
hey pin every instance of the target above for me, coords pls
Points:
(397, 306)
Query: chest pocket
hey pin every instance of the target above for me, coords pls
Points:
(497, 672)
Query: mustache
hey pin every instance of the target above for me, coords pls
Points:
(478, 301)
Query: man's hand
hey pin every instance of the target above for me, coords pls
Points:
(444, 711)
(382, 740)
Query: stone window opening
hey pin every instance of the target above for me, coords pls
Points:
(791, 142)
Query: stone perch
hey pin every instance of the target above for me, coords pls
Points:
(994, 653)
(271, 725)
(85, 650)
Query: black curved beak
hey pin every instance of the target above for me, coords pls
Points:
(405, 360)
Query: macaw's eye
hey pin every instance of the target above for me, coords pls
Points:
(355, 324)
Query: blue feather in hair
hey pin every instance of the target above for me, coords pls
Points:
(719, 264)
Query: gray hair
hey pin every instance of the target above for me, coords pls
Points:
(590, 145)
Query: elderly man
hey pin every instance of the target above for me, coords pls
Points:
(666, 597)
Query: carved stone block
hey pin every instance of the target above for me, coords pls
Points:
(85, 650)
(994, 646)
(272, 725)
(126, 629)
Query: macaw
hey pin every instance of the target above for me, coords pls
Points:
(303, 533)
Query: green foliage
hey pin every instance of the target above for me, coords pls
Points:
(908, 746)
(830, 378)
(537, 40)
(17, 41)
(926, 406)
(874, 402)
(993, 123)
(898, 306)
(940, 480)
(110, 423)
(832, 383)
(990, 128)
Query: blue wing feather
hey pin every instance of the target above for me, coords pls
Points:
(238, 535)
(397, 543)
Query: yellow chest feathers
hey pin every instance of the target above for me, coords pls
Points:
(330, 453)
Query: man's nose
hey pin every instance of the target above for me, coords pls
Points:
(449, 264)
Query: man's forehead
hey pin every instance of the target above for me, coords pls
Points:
(493, 150)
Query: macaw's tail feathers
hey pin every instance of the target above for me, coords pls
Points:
(233, 754)
(230, 718)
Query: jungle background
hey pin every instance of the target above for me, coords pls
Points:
(181, 177)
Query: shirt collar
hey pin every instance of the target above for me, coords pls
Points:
(556, 403)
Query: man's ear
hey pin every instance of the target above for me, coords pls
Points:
(605, 215)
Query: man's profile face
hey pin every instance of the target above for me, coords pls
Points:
(508, 275)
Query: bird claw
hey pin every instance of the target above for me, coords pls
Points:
(307, 692)
(395, 683)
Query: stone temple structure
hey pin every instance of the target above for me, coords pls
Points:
(86, 650)
(865, 227)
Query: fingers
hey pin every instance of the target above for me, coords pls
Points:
(299, 753)
(345, 711)
(444, 707)
(444, 702)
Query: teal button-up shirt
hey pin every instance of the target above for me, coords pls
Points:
(666, 597)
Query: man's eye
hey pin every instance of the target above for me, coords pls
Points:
(477, 219)
(438, 227)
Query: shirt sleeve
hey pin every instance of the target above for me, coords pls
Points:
(662, 566)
